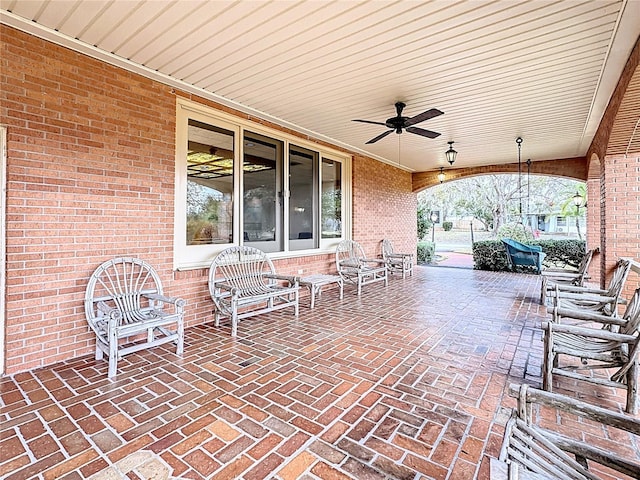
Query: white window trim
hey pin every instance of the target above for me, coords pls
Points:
(199, 256)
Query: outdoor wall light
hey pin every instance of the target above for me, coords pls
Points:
(441, 175)
(577, 201)
(451, 154)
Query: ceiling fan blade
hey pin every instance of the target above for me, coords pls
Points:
(380, 137)
(423, 132)
(421, 117)
(370, 121)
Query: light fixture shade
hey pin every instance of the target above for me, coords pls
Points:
(441, 175)
(451, 154)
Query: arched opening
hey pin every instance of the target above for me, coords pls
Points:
(494, 206)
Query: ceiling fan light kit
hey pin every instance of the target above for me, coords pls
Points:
(399, 123)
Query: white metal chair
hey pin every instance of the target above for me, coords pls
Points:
(356, 269)
(397, 262)
(124, 300)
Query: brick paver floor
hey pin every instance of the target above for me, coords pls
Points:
(407, 381)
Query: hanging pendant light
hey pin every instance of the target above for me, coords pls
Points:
(441, 175)
(451, 153)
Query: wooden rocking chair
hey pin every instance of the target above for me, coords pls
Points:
(551, 278)
(581, 302)
(532, 452)
(616, 346)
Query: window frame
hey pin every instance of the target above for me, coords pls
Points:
(198, 256)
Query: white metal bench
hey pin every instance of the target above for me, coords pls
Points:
(124, 300)
(243, 283)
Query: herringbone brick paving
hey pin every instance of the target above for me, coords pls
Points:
(405, 382)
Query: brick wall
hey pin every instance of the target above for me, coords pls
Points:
(383, 207)
(90, 175)
(621, 218)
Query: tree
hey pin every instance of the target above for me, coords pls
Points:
(495, 200)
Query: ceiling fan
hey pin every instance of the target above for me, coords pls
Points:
(398, 123)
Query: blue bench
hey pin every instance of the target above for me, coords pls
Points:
(519, 254)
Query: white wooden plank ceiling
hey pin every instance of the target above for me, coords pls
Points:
(542, 70)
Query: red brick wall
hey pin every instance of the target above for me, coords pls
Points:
(593, 225)
(567, 167)
(621, 218)
(90, 175)
(383, 207)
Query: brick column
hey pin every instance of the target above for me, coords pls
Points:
(593, 224)
(620, 214)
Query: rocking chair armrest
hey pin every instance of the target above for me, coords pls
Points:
(400, 255)
(106, 310)
(551, 274)
(585, 297)
(177, 301)
(229, 288)
(293, 280)
(587, 315)
(562, 289)
(589, 332)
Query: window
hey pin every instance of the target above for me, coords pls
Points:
(331, 199)
(262, 200)
(303, 198)
(241, 183)
(209, 196)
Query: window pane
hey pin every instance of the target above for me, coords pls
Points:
(209, 184)
(302, 205)
(331, 199)
(262, 197)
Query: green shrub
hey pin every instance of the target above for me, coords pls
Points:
(491, 254)
(446, 226)
(426, 251)
(424, 222)
(515, 231)
(562, 253)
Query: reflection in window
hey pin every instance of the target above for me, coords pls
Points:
(331, 220)
(262, 198)
(302, 205)
(209, 184)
